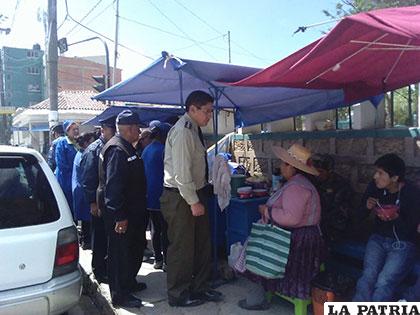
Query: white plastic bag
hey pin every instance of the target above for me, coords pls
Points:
(235, 252)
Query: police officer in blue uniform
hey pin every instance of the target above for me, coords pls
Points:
(90, 182)
(123, 184)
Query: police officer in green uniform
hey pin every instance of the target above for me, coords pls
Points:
(184, 203)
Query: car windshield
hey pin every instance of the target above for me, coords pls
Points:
(26, 197)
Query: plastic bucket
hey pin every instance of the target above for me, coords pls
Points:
(319, 297)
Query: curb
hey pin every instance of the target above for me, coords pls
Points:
(92, 289)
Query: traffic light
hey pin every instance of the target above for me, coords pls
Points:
(101, 83)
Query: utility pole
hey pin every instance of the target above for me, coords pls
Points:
(117, 17)
(230, 60)
(3, 134)
(52, 58)
(4, 129)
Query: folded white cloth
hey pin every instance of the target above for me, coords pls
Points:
(221, 181)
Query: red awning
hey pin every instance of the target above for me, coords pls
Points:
(365, 54)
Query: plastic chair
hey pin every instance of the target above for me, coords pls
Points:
(300, 305)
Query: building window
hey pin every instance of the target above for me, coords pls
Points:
(33, 70)
(34, 88)
(32, 54)
(8, 77)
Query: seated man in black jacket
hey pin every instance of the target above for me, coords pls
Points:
(390, 251)
(336, 196)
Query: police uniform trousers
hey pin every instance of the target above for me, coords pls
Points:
(99, 247)
(125, 254)
(189, 251)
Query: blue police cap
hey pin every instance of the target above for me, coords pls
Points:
(161, 128)
(58, 128)
(127, 117)
(153, 123)
(108, 121)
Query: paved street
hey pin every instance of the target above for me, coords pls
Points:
(156, 300)
(85, 307)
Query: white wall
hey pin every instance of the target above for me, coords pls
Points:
(366, 116)
(225, 124)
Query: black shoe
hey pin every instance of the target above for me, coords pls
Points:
(158, 264)
(139, 286)
(86, 246)
(209, 295)
(187, 302)
(127, 301)
(147, 253)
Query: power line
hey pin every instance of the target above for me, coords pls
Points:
(92, 19)
(184, 37)
(104, 36)
(84, 17)
(100, 13)
(203, 42)
(173, 23)
(174, 34)
(64, 20)
(199, 18)
(216, 30)
(14, 13)
(154, 28)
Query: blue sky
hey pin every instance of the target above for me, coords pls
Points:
(261, 31)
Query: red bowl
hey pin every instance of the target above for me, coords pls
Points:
(245, 195)
(387, 210)
(259, 192)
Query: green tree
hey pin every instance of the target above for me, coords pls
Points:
(348, 7)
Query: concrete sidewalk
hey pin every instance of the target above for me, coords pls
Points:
(155, 298)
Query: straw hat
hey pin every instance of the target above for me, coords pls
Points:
(297, 156)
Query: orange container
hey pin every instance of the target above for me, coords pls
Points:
(319, 297)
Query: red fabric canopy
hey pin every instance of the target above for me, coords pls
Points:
(365, 55)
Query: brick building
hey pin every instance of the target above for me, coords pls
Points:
(75, 73)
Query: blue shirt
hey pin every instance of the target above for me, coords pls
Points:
(153, 163)
(81, 207)
(65, 152)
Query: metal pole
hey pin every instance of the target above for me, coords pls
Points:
(230, 59)
(116, 42)
(336, 118)
(350, 120)
(108, 70)
(215, 223)
(392, 108)
(418, 104)
(52, 62)
(410, 110)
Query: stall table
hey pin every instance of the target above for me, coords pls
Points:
(240, 215)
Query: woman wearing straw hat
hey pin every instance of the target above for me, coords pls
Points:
(296, 207)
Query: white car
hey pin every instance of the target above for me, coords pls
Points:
(39, 252)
